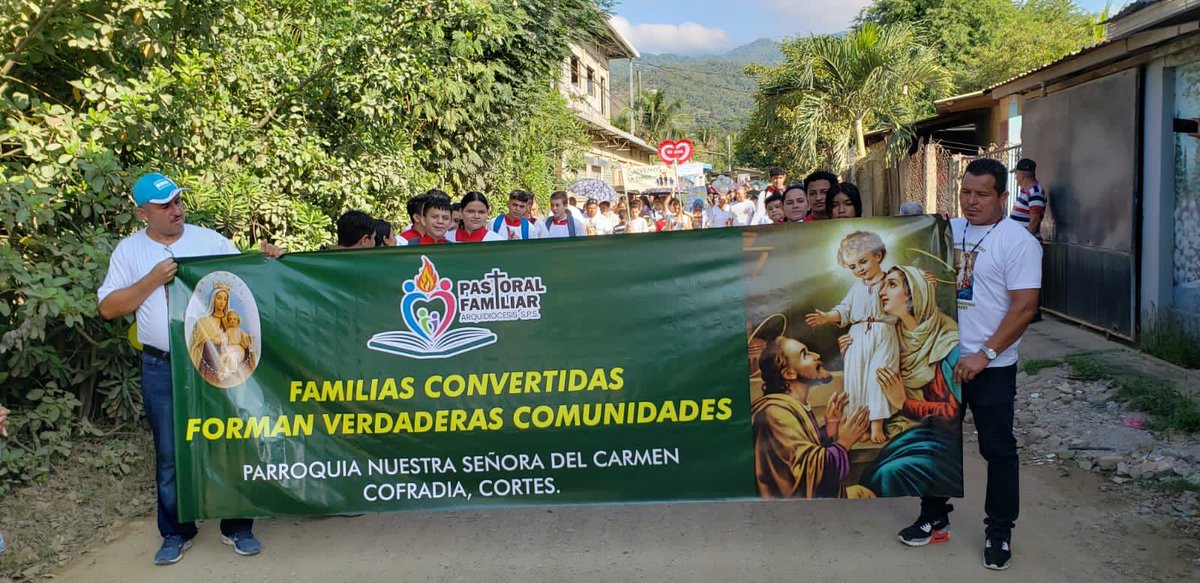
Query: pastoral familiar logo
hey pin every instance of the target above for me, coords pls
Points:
(222, 330)
(430, 306)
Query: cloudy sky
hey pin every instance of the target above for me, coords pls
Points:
(713, 26)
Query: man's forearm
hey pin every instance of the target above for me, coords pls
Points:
(125, 301)
(1035, 224)
(1020, 314)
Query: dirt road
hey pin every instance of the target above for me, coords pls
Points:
(1069, 531)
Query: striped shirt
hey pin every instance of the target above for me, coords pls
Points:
(1031, 201)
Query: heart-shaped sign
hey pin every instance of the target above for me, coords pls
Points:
(676, 152)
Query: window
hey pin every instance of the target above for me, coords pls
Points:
(575, 71)
(591, 88)
(603, 96)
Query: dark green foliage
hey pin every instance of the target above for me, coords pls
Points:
(278, 116)
(989, 41)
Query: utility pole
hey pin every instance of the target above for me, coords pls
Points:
(729, 152)
(632, 117)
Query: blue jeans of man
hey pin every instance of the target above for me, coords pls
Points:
(992, 397)
(160, 409)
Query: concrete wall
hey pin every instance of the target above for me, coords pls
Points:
(592, 103)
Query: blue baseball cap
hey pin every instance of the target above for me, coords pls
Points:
(155, 188)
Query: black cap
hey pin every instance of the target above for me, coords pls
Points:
(777, 171)
(1026, 165)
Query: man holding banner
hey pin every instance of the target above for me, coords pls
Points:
(140, 268)
(1001, 263)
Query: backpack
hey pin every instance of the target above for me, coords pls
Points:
(570, 224)
(500, 221)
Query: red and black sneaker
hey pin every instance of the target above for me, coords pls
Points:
(926, 531)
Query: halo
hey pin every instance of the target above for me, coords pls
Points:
(764, 323)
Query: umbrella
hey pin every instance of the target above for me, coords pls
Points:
(657, 190)
(759, 185)
(595, 188)
(724, 184)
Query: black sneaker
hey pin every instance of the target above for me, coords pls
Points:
(926, 531)
(997, 553)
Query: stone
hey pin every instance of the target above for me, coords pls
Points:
(1086, 465)
(1120, 479)
(1063, 471)
(1065, 454)
(1124, 468)
(1038, 434)
(1109, 463)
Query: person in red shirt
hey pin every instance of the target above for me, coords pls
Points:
(437, 220)
(414, 207)
(475, 210)
(514, 225)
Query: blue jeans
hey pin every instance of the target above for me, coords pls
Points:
(160, 409)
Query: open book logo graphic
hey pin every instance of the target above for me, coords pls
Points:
(429, 309)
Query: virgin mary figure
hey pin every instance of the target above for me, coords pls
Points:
(208, 337)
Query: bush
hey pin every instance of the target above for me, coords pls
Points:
(278, 117)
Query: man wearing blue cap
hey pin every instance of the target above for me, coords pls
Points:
(140, 268)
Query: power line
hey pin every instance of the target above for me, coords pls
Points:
(686, 73)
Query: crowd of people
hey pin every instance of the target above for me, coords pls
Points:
(997, 295)
(435, 218)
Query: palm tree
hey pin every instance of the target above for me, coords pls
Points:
(833, 87)
(658, 117)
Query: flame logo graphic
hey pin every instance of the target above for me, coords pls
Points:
(427, 278)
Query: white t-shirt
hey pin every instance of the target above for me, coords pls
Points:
(137, 254)
(563, 231)
(601, 224)
(576, 212)
(1006, 259)
(637, 225)
(718, 217)
(743, 213)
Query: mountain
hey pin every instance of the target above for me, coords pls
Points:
(718, 94)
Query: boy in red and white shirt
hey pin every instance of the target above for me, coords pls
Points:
(561, 223)
(514, 225)
(437, 220)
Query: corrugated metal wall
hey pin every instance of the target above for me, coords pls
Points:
(1086, 142)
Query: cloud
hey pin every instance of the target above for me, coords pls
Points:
(801, 17)
(688, 38)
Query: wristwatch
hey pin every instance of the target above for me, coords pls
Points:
(989, 353)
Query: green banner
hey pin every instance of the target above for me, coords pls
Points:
(590, 370)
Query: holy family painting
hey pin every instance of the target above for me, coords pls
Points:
(852, 342)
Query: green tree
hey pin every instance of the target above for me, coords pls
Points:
(817, 105)
(987, 41)
(278, 116)
(659, 117)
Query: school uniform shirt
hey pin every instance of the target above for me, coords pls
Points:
(1030, 201)
(134, 258)
(481, 236)
(560, 229)
(743, 213)
(577, 213)
(427, 240)
(510, 229)
(410, 233)
(992, 260)
(718, 217)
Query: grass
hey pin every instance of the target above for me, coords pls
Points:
(1035, 365)
(1169, 409)
(1167, 337)
(1177, 486)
